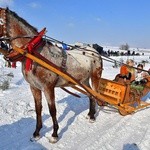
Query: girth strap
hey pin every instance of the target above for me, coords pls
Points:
(64, 60)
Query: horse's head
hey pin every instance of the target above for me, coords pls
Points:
(13, 31)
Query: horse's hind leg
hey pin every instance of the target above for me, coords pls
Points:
(92, 105)
(91, 114)
(37, 94)
(95, 79)
(50, 96)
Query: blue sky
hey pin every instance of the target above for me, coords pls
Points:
(106, 22)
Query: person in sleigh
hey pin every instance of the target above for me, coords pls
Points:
(140, 75)
(127, 72)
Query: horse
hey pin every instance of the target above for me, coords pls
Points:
(84, 65)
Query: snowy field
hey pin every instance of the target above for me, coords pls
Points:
(111, 131)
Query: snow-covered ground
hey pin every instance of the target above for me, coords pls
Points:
(111, 131)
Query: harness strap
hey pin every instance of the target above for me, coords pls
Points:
(63, 64)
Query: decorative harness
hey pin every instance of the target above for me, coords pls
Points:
(31, 48)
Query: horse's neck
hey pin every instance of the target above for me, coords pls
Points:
(18, 29)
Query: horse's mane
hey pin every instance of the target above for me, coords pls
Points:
(21, 19)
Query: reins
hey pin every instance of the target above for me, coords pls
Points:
(14, 38)
(103, 56)
(52, 40)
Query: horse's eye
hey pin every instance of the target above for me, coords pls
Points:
(4, 46)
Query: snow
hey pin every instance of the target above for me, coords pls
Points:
(111, 131)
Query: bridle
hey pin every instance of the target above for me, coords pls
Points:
(4, 39)
(3, 27)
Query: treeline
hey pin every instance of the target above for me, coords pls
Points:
(121, 53)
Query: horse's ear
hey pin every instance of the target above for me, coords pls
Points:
(7, 8)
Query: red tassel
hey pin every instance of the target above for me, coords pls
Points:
(28, 64)
(13, 65)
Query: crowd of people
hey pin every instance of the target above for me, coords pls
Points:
(122, 53)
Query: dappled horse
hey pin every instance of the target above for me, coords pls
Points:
(82, 64)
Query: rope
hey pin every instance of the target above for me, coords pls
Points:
(77, 47)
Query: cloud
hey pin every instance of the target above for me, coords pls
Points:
(6, 3)
(34, 5)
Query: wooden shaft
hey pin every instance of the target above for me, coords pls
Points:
(68, 77)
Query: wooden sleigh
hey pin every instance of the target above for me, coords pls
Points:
(121, 95)
(114, 93)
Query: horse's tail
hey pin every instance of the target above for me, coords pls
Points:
(96, 74)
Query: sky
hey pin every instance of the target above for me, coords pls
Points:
(106, 22)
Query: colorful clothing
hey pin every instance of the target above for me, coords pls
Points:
(124, 70)
(127, 72)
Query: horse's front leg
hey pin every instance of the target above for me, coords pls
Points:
(50, 96)
(37, 94)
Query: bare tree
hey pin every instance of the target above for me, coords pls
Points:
(124, 47)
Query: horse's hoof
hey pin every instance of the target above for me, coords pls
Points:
(53, 139)
(91, 120)
(33, 139)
